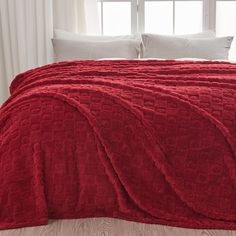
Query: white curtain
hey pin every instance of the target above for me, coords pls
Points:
(80, 16)
(26, 29)
(25, 38)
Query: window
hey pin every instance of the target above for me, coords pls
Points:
(115, 17)
(168, 17)
(225, 21)
(153, 16)
(188, 17)
(157, 12)
(173, 17)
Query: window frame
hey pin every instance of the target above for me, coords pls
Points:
(138, 14)
(209, 15)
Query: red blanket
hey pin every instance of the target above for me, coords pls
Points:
(147, 141)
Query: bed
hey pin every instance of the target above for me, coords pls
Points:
(149, 141)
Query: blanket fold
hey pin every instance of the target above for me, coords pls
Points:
(147, 141)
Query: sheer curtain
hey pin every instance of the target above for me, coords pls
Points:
(26, 29)
(80, 16)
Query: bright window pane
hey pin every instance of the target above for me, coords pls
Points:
(116, 18)
(225, 22)
(159, 17)
(226, 17)
(99, 14)
(188, 17)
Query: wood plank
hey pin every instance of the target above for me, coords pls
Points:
(109, 227)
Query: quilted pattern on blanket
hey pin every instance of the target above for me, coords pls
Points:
(147, 141)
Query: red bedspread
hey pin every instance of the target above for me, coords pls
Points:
(148, 141)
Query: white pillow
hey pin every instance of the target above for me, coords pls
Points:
(89, 50)
(170, 47)
(61, 34)
(204, 34)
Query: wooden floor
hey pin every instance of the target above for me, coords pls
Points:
(108, 227)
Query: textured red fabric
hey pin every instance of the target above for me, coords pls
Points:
(147, 141)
